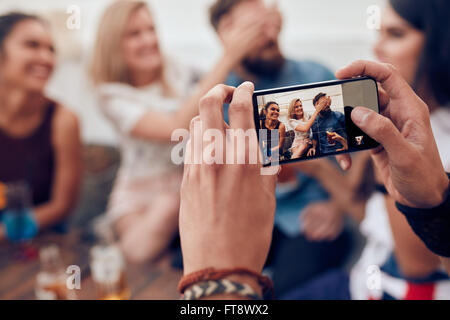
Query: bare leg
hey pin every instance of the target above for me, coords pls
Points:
(299, 151)
(145, 235)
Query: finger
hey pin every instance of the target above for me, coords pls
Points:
(195, 141)
(383, 98)
(211, 106)
(187, 162)
(312, 222)
(323, 231)
(380, 129)
(345, 161)
(386, 74)
(270, 174)
(241, 107)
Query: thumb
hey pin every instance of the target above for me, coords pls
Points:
(381, 129)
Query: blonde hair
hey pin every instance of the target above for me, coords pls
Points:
(108, 63)
(291, 110)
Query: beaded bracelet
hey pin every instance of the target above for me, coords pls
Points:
(219, 287)
(211, 274)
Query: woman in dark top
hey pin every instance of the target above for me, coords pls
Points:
(39, 139)
(270, 121)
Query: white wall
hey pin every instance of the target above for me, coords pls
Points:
(332, 32)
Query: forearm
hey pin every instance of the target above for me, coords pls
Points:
(311, 121)
(412, 256)
(308, 125)
(161, 126)
(432, 225)
(218, 75)
(446, 263)
(280, 145)
(340, 190)
(51, 213)
(360, 164)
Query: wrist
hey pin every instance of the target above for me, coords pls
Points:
(260, 284)
(443, 204)
(443, 191)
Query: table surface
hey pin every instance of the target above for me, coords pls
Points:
(147, 281)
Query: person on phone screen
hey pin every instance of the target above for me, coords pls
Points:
(303, 144)
(273, 125)
(329, 127)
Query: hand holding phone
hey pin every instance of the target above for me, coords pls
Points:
(409, 152)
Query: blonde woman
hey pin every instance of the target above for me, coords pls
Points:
(302, 127)
(146, 98)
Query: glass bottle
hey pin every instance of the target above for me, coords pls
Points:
(51, 281)
(108, 265)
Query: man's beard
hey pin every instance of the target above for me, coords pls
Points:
(325, 113)
(264, 68)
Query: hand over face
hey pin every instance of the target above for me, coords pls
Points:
(321, 105)
(243, 34)
(408, 160)
(227, 211)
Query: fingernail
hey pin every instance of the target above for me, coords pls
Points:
(359, 115)
(248, 83)
(344, 164)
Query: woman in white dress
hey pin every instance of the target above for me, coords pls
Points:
(146, 98)
(302, 127)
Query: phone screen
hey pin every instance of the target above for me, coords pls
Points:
(312, 121)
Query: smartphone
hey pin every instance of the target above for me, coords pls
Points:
(312, 121)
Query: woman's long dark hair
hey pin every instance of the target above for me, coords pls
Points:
(263, 112)
(432, 17)
(9, 21)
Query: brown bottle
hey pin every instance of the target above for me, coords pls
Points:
(51, 280)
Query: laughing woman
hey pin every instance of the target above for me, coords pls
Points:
(146, 98)
(275, 129)
(39, 139)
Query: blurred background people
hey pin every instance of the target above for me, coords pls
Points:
(39, 138)
(267, 67)
(147, 97)
(414, 37)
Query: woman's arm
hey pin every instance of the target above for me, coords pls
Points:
(446, 262)
(308, 124)
(68, 169)
(282, 134)
(159, 126)
(415, 260)
(337, 185)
